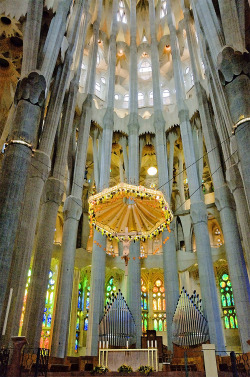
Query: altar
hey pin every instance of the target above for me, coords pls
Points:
(114, 358)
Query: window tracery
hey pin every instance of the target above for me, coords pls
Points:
(144, 306)
(159, 306)
(227, 302)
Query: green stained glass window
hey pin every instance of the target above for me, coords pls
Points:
(110, 289)
(160, 325)
(144, 306)
(155, 325)
(227, 323)
(232, 322)
(227, 302)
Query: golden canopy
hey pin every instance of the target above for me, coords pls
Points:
(136, 211)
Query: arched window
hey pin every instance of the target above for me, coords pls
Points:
(80, 308)
(103, 80)
(159, 306)
(98, 59)
(110, 289)
(227, 302)
(48, 311)
(121, 15)
(144, 306)
(163, 12)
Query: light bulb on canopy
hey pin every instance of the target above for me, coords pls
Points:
(152, 170)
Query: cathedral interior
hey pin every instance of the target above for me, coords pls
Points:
(148, 93)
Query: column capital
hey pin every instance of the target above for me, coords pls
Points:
(198, 212)
(234, 73)
(233, 178)
(224, 198)
(53, 191)
(183, 115)
(231, 64)
(108, 119)
(159, 121)
(31, 88)
(72, 208)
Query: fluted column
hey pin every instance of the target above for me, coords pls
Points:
(134, 264)
(231, 24)
(32, 36)
(73, 210)
(171, 281)
(123, 142)
(198, 210)
(26, 231)
(29, 99)
(48, 57)
(97, 282)
(236, 86)
(172, 137)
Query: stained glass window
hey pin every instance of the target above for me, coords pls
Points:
(48, 312)
(80, 307)
(227, 302)
(110, 289)
(144, 306)
(159, 306)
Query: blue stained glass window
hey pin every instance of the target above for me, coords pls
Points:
(49, 320)
(87, 303)
(86, 324)
(44, 320)
(145, 307)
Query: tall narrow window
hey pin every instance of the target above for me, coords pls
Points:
(163, 11)
(159, 306)
(227, 302)
(80, 308)
(110, 289)
(121, 15)
(144, 306)
(48, 312)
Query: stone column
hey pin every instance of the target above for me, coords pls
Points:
(32, 36)
(236, 81)
(134, 264)
(123, 142)
(29, 99)
(171, 281)
(72, 212)
(171, 138)
(73, 209)
(26, 232)
(224, 203)
(32, 325)
(230, 24)
(48, 57)
(236, 186)
(97, 282)
(198, 210)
